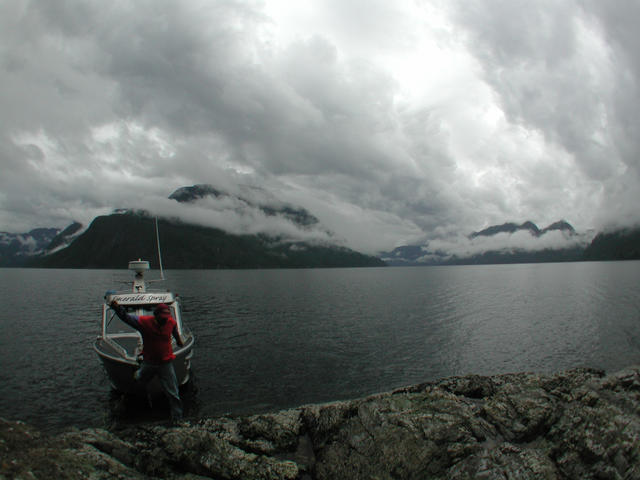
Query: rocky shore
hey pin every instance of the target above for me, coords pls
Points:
(577, 424)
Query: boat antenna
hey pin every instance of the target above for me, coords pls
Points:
(159, 255)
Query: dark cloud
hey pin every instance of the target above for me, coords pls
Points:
(568, 70)
(400, 123)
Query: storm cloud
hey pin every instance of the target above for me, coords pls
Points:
(392, 122)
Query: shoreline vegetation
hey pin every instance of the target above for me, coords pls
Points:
(575, 424)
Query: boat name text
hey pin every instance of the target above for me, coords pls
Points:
(143, 298)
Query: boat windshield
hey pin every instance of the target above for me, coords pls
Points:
(113, 324)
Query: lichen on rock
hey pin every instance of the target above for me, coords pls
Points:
(578, 424)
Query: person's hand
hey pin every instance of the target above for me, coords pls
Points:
(113, 304)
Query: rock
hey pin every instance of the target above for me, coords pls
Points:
(472, 386)
(401, 436)
(521, 413)
(599, 434)
(578, 424)
(279, 431)
(205, 453)
(323, 421)
(104, 442)
(506, 461)
(27, 454)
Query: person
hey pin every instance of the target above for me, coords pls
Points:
(157, 352)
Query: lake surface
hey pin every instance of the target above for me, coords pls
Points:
(272, 339)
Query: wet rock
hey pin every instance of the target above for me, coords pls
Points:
(26, 454)
(102, 441)
(199, 451)
(505, 461)
(323, 421)
(520, 412)
(278, 432)
(472, 386)
(400, 436)
(599, 434)
(578, 424)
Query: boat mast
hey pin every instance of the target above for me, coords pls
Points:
(159, 255)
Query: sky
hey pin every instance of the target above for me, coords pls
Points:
(393, 123)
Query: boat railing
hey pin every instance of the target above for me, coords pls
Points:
(119, 348)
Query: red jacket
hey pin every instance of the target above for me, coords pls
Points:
(156, 339)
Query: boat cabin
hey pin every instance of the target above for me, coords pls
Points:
(123, 338)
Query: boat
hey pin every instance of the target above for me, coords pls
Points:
(119, 346)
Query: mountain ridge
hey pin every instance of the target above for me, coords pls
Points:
(621, 244)
(618, 245)
(297, 215)
(528, 226)
(16, 248)
(49, 247)
(111, 241)
(102, 244)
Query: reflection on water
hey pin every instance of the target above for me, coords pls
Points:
(270, 339)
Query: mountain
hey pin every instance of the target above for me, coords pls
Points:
(195, 192)
(405, 255)
(16, 248)
(64, 238)
(547, 255)
(424, 255)
(261, 200)
(622, 244)
(531, 227)
(111, 241)
(561, 226)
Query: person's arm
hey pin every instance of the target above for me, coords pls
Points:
(124, 316)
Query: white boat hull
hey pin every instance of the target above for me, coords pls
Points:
(121, 370)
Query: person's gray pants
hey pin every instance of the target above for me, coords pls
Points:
(167, 376)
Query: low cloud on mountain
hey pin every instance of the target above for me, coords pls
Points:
(463, 246)
(248, 211)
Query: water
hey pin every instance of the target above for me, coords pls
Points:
(272, 339)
